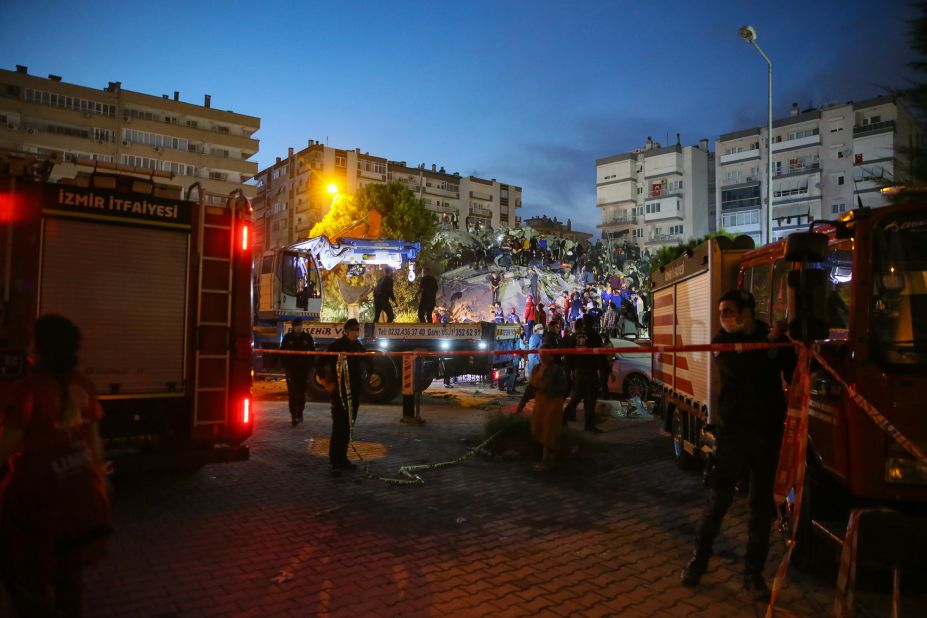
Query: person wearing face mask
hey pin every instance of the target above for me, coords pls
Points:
(751, 409)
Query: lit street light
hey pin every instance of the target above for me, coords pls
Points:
(749, 35)
(332, 188)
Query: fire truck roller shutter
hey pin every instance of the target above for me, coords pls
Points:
(693, 315)
(125, 288)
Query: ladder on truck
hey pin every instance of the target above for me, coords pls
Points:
(212, 344)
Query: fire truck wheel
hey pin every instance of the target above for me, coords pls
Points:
(314, 389)
(812, 553)
(684, 460)
(382, 383)
(636, 385)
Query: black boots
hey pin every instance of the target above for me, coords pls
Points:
(692, 574)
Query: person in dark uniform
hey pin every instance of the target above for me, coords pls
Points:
(751, 409)
(382, 295)
(297, 367)
(584, 370)
(343, 381)
(495, 282)
(428, 296)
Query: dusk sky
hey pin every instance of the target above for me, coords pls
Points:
(529, 93)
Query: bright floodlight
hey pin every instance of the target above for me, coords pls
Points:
(748, 33)
(332, 188)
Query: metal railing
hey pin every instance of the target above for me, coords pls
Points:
(875, 126)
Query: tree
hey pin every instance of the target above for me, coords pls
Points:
(403, 217)
(911, 172)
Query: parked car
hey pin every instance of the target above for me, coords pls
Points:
(631, 371)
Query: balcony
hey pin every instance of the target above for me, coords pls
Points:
(480, 195)
(809, 168)
(618, 221)
(790, 192)
(743, 155)
(451, 210)
(476, 211)
(798, 142)
(664, 239)
(663, 192)
(875, 127)
(739, 180)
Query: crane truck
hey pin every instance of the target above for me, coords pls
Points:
(289, 286)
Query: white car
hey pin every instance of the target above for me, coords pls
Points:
(631, 371)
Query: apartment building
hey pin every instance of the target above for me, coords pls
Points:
(292, 195)
(181, 142)
(825, 161)
(655, 195)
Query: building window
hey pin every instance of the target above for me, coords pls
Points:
(840, 180)
(836, 209)
(341, 161)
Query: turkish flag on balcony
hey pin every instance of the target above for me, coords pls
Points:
(656, 189)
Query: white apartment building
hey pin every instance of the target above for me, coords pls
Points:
(292, 195)
(655, 196)
(184, 143)
(825, 161)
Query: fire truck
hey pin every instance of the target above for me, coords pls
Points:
(160, 288)
(289, 286)
(868, 305)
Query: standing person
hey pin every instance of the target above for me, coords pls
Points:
(594, 316)
(533, 284)
(610, 321)
(546, 385)
(343, 381)
(428, 295)
(297, 367)
(382, 295)
(540, 316)
(512, 317)
(566, 305)
(627, 327)
(495, 282)
(534, 343)
(584, 371)
(531, 314)
(54, 507)
(751, 408)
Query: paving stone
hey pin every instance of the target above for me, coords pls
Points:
(606, 537)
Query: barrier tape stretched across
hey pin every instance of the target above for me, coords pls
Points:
(883, 423)
(791, 469)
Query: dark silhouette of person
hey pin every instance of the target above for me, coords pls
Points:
(382, 295)
(297, 368)
(55, 515)
(343, 381)
(751, 410)
(428, 295)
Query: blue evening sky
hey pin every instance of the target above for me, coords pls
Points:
(530, 93)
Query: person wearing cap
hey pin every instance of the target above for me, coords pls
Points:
(297, 367)
(534, 343)
(751, 407)
(345, 390)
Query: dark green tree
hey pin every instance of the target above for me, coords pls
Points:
(911, 169)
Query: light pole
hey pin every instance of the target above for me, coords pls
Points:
(749, 35)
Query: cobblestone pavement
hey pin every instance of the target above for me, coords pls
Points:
(278, 536)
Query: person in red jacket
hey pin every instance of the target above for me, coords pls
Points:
(540, 316)
(54, 503)
(530, 314)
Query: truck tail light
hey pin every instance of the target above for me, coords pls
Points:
(246, 411)
(244, 237)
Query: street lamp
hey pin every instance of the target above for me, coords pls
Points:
(749, 35)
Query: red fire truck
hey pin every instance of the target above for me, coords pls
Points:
(160, 288)
(871, 306)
